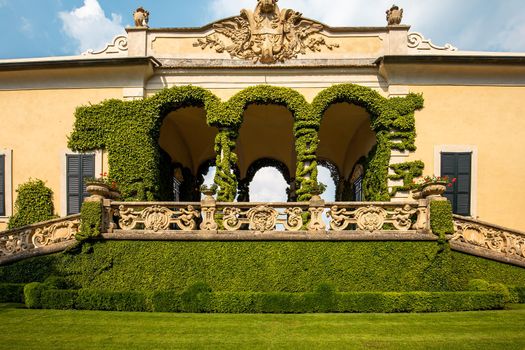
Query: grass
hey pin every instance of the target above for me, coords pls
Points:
(51, 329)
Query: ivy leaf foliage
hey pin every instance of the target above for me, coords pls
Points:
(129, 131)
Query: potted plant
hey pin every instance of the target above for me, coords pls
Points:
(209, 191)
(431, 186)
(102, 187)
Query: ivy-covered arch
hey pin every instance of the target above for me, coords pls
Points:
(391, 119)
(129, 131)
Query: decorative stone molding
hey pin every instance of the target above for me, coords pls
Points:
(267, 35)
(494, 240)
(157, 218)
(418, 43)
(371, 218)
(262, 218)
(32, 238)
(119, 46)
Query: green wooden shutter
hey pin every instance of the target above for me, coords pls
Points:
(79, 166)
(458, 166)
(2, 185)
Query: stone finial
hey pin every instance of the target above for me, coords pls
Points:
(394, 16)
(141, 18)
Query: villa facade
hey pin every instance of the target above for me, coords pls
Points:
(470, 125)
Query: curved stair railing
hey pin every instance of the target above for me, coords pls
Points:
(39, 239)
(488, 240)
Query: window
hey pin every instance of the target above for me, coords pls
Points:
(358, 189)
(2, 185)
(458, 165)
(79, 167)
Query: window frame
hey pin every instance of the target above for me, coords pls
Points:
(473, 150)
(99, 168)
(8, 184)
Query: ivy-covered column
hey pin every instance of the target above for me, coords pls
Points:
(226, 159)
(306, 142)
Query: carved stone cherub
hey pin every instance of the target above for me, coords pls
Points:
(141, 17)
(394, 15)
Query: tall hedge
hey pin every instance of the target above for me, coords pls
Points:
(34, 203)
(265, 267)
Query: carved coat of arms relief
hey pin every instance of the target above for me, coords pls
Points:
(267, 35)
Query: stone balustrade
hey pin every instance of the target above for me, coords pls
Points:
(488, 240)
(215, 220)
(38, 239)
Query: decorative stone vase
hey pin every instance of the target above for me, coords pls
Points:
(98, 190)
(416, 194)
(208, 193)
(433, 190)
(114, 194)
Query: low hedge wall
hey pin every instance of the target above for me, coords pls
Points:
(292, 267)
(11, 292)
(322, 300)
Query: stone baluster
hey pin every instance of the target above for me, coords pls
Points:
(316, 208)
(208, 209)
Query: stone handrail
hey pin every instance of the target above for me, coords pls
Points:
(38, 239)
(488, 240)
(315, 216)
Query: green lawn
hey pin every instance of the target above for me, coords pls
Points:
(49, 329)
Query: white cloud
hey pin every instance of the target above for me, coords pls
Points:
(467, 24)
(26, 27)
(268, 185)
(90, 27)
(3, 3)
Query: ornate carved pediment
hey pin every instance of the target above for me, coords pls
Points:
(267, 35)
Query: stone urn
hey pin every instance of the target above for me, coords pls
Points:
(208, 193)
(434, 190)
(114, 193)
(97, 190)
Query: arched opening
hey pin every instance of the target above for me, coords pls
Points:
(345, 137)
(268, 185)
(266, 139)
(187, 143)
(328, 174)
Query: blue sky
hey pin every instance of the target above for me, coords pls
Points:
(37, 28)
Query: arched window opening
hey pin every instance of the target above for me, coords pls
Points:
(268, 185)
(328, 174)
(346, 136)
(186, 142)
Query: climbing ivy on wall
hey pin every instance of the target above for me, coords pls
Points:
(129, 131)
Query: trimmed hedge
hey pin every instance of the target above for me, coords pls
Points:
(11, 293)
(253, 302)
(518, 293)
(111, 301)
(34, 203)
(264, 267)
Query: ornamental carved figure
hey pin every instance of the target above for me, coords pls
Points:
(394, 15)
(141, 18)
(267, 35)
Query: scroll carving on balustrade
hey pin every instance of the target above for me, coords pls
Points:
(262, 218)
(373, 218)
(497, 240)
(157, 218)
(38, 236)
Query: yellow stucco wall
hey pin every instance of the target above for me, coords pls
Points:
(492, 120)
(35, 127)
